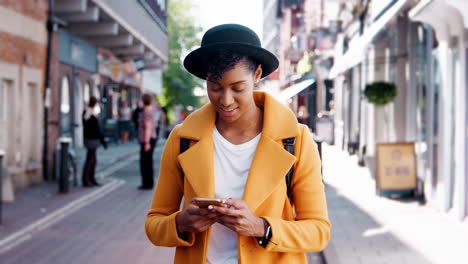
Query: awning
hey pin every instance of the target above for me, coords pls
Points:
(293, 90)
(357, 52)
(445, 18)
(126, 29)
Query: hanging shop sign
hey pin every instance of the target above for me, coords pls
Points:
(395, 167)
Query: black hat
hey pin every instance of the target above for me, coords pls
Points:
(239, 39)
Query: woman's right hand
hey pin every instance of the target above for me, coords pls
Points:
(194, 219)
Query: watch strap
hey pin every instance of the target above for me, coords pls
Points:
(263, 241)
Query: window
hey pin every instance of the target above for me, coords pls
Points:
(96, 92)
(6, 96)
(3, 101)
(65, 97)
(86, 93)
(33, 119)
(65, 117)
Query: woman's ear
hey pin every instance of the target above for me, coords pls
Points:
(258, 73)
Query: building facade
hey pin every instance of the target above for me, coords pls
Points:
(302, 35)
(23, 38)
(55, 54)
(102, 48)
(422, 50)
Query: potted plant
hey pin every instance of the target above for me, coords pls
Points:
(380, 93)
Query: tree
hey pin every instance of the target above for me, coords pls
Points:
(183, 33)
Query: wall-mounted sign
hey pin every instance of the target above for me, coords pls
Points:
(138, 64)
(395, 166)
(77, 52)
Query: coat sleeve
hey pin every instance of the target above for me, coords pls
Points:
(160, 223)
(310, 231)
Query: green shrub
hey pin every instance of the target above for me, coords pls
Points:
(380, 93)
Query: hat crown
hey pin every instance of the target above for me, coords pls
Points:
(230, 33)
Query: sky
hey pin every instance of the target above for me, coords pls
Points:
(245, 12)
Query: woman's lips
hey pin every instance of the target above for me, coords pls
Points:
(228, 112)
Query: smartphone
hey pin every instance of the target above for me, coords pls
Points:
(204, 202)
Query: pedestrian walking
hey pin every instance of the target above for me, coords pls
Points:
(93, 138)
(147, 138)
(246, 149)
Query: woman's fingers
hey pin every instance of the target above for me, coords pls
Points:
(225, 219)
(236, 203)
(202, 224)
(225, 211)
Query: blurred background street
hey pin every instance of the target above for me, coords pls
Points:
(382, 85)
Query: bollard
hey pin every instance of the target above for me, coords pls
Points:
(1, 183)
(64, 177)
(318, 140)
(319, 147)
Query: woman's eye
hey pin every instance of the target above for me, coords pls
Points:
(238, 88)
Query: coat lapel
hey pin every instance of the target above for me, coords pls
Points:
(197, 163)
(269, 167)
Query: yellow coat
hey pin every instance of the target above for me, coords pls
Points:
(265, 190)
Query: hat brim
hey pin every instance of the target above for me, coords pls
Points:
(194, 61)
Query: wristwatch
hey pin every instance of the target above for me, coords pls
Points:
(263, 241)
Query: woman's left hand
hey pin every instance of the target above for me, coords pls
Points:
(239, 218)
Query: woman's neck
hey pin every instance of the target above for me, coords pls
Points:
(243, 129)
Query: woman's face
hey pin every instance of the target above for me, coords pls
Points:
(232, 95)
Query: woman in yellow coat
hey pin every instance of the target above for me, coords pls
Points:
(237, 154)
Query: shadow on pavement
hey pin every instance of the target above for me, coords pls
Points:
(359, 238)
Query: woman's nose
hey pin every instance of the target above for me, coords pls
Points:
(227, 99)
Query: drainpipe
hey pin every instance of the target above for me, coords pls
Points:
(51, 27)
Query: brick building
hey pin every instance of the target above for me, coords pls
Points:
(23, 48)
(112, 49)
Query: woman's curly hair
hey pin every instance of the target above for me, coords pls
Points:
(223, 60)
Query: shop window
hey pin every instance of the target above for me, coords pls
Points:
(65, 106)
(96, 92)
(65, 98)
(86, 93)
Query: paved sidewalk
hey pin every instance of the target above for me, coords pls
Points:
(101, 225)
(113, 154)
(371, 229)
(36, 201)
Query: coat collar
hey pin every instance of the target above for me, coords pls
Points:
(279, 122)
(264, 175)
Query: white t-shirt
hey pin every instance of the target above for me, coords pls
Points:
(231, 168)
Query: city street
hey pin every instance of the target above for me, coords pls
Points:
(105, 224)
(381, 85)
(108, 226)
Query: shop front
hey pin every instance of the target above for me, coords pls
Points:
(447, 102)
(77, 66)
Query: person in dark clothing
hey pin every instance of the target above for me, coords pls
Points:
(147, 138)
(93, 138)
(136, 115)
